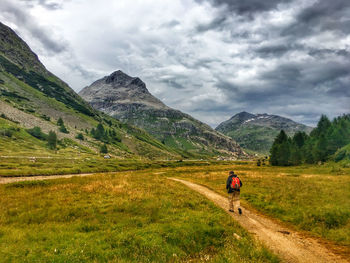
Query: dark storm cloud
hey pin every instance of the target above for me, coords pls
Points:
(48, 4)
(326, 52)
(23, 19)
(322, 16)
(247, 7)
(209, 58)
(276, 50)
(216, 24)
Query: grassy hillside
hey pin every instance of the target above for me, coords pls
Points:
(255, 138)
(118, 218)
(256, 132)
(311, 198)
(31, 96)
(127, 99)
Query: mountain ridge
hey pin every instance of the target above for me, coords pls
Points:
(32, 97)
(257, 131)
(129, 100)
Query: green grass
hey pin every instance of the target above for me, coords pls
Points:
(254, 137)
(311, 198)
(125, 217)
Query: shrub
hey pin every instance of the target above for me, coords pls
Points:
(6, 132)
(63, 129)
(37, 133)
(46, 118)
(80, 136)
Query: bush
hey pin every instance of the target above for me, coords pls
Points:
(37, 133)
(80, 136)
(46, 118)
(63, 129)
(6, 132)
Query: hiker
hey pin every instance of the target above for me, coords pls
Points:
(233, 187)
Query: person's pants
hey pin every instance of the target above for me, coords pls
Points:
(233, 200)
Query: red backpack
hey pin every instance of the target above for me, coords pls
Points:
(236, 185)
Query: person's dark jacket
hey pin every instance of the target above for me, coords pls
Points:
(229, 184)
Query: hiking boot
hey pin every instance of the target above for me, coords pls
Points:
(239, 211)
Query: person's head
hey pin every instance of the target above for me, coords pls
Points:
(232, 173)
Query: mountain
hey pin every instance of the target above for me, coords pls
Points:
(257, 131)
(31, 96)
(127, 99)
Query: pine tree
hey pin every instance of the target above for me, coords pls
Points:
(60, 122)
(277, 156)
(103, 148)
(52, 140)
(80, 136)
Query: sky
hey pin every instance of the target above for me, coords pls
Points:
(208, 58)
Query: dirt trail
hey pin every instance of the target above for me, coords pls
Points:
(288, 244)
(8, 180)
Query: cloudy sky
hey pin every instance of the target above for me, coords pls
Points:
(208, 58)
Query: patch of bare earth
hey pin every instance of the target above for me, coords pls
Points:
(290, 245)
(8, 180)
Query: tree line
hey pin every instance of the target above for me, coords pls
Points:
(319, 146)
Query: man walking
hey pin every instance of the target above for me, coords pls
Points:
(233, 187)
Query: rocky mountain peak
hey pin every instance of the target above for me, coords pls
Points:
(119, 78)
(127, 99)
(242, 116)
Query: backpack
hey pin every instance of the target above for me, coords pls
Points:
(236, 185)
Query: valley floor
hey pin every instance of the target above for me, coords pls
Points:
(290, 245)
(307, 216)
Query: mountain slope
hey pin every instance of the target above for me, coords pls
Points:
(127, 99)
(257, 131)
(32, 96)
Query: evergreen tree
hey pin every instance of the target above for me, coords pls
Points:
(80, 136)
(323, 142)
(279, 152)
(52, 140)
(60, 122)
(299, 139)
(284, 153)
(103, 148)
(322, 127)
(63, 129)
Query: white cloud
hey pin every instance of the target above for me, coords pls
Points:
(209, 61)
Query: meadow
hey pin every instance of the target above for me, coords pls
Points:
(312, 198)
(141, 216)
(137, 216)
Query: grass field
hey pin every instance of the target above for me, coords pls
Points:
(135, 216)
(311, 198)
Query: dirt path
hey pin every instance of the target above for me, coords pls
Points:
(290, 245)
(8, 180)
